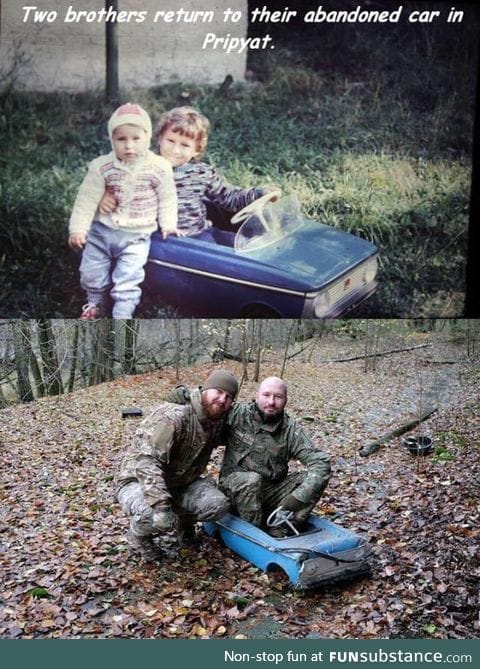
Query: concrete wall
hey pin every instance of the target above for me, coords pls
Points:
(61, 55)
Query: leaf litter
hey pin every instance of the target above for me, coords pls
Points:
(66, 571)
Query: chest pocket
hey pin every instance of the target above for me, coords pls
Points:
(267, 457)
(276, 456)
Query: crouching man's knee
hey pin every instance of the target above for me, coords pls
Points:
(244, 490)
(134, 506)
(216, 506)
(240, 482)
(201, 500)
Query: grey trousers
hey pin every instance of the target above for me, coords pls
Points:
(197, 501)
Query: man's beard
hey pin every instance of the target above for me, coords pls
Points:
(270, 418)
(219, 410)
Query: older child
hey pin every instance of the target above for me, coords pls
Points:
(182, 135)
(117, 242)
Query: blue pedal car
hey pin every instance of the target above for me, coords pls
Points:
(323, 553)
(280, 265)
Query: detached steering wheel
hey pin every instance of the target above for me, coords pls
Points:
(255, 207)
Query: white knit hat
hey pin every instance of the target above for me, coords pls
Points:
(131, 114)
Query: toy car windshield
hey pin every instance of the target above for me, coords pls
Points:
(266, 223)
(283, 265)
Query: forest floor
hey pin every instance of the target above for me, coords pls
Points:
(66, 571)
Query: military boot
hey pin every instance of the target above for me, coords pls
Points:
(186, 533)
(147, 548)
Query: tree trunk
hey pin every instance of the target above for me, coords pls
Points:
(192, 352)
(21, 338)
(178, 347)
(48, 351)
(74, 358)
(129, 365)
(290, 335)
(111, 55)
(259, 351)
(226, 339)
(36, 372)
(103, 340)
(245, 351)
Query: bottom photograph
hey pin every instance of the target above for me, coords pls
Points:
(239, 479)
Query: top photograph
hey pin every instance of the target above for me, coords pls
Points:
(237, 159)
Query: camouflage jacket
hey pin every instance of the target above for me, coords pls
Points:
(170, 449)
(267, 448)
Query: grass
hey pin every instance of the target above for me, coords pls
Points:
(372, 131)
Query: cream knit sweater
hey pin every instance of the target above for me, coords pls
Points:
(144, 190)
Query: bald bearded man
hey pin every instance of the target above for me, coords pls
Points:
(262, 440)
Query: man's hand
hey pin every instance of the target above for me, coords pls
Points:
(108, 203)
(291, 503)
(163, 519)
(77, 240)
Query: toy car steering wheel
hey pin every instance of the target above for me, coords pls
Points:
(281, 517)
(254, 207)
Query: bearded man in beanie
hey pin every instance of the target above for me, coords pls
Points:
(262, 440)
(160, 484)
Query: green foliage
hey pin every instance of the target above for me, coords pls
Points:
(39, 593)
(447, 441)
(372, 131)
(442, 454)
(430, 628)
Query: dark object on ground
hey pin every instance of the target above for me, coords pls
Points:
(418, 445)
(134, 412)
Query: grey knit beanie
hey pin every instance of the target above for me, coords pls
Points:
(223, 380)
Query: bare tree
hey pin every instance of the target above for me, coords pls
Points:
(245, 353)
(258, 350)
(52, 378)
(291, 332)
(193, 340)
(74, 358)
(130, 347)
(103, 347)
(21, 339)
(178, 347)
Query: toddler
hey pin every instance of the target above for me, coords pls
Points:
(115, 245)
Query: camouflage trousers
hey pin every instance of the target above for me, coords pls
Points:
(253, 498)
(197, 501)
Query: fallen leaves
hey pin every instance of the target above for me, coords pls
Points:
(66, 570)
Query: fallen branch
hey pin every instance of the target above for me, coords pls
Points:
(218, 355)
(374, 446)
(377, 355)
(304, 348)
(440, 362)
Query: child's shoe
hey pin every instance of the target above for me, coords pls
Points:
(90, 312)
